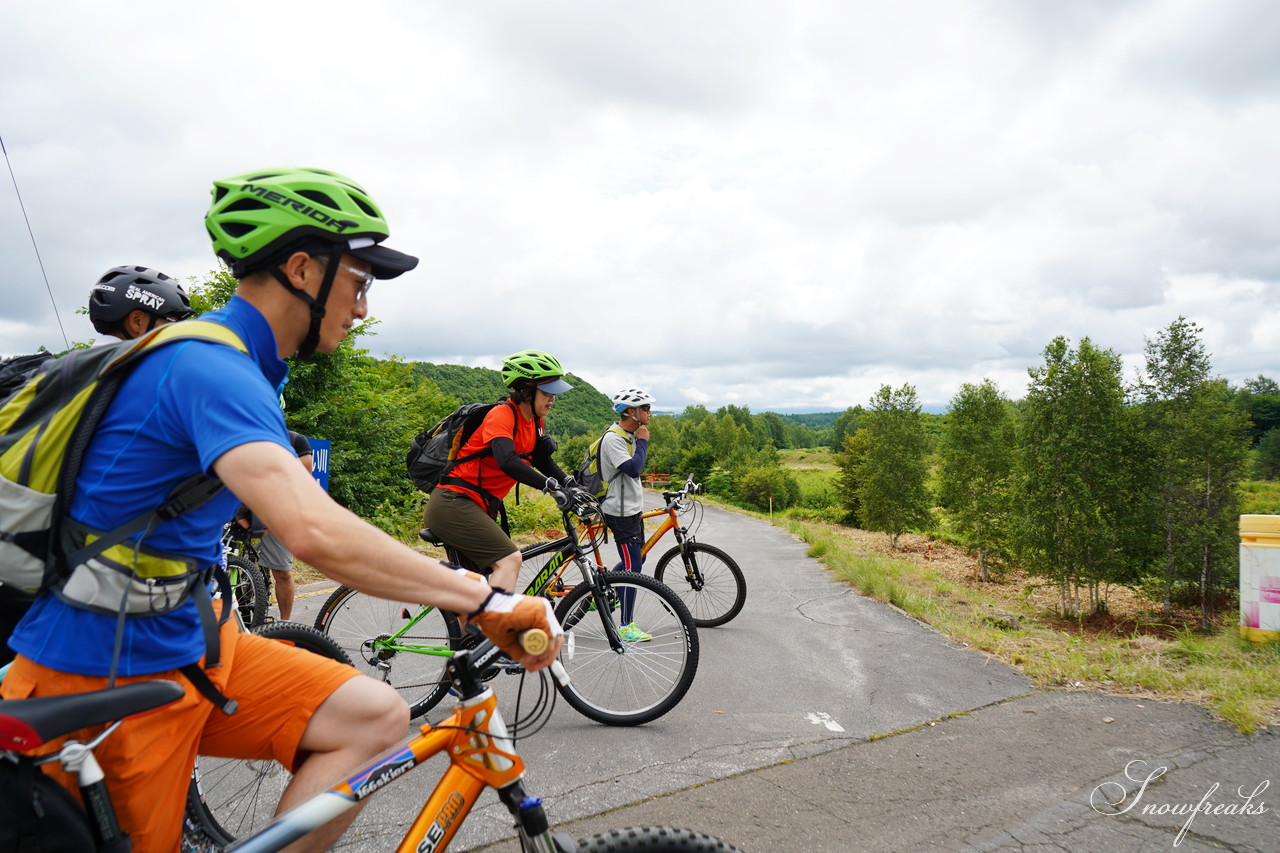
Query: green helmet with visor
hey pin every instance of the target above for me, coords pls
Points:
(536, 368)
(258, 219)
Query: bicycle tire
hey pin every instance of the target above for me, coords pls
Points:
(647, 679)
(362, 625)
(230, 798)
(654, 839)
(724, 587)
(250, 591)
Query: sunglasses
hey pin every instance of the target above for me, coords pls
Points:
(645, 408)
(364, 280)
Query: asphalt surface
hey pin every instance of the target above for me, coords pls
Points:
(1036, 773)
(823, 721)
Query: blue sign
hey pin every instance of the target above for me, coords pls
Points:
(320, 460)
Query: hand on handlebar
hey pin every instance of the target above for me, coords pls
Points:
(504, 618)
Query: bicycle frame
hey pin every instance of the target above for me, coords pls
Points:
(670, 522)
(566, 549)
(481, 755)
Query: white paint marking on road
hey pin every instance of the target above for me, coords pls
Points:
(821, 718)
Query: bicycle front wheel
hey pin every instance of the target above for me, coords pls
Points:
(230, 798)
(646, 678)
(404, 645)
(654, 839)
(707, 580)
(250, 591)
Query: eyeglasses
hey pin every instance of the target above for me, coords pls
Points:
(645, 408)
(364, 280)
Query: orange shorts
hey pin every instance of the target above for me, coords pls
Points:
(148, 760)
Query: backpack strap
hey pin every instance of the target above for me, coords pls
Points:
(493, 504)
(187, 495)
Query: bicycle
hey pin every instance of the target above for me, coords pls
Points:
(713, 586)
(475, 737)
(613, 680)
(248, 580)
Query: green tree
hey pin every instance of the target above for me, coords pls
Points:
(1199, 448)
(369, 410)
(848, 479)
(1076, 443)
(771, 427)
(846, 424)
(1267, 464)
(799, 435)
(1261, 385)
(978, 452)
(892, 492)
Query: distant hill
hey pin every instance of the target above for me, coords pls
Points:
(814, 420)
(580, 411)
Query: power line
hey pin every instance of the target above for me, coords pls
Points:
(32, 233)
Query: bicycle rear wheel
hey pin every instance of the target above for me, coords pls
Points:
(229, 798)
(405, 645)
(653, 839)
(710, 583)
(250, 590)
(646, 679)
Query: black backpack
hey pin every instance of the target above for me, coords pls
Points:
(38, 814)
(15, 371)
(434, 451)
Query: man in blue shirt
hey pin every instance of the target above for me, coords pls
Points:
(305, 246)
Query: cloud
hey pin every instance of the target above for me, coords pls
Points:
(777, 205)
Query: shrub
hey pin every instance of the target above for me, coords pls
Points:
(769, 488)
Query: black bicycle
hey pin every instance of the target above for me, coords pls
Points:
(631, 649)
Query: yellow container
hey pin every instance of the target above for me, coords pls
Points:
(1260, 577)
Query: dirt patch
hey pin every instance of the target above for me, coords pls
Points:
(1129, 614)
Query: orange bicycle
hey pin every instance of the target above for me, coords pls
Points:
(712, 585)
(481, 752)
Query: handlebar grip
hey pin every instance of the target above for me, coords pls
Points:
(534, 641)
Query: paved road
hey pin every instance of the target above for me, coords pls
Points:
(772, 748)
(808, 666)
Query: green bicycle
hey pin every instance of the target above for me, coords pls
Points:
(612, 679)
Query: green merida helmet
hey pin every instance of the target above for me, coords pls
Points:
(540, 368)
(258, 217)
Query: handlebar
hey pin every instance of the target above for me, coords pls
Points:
(690, 487)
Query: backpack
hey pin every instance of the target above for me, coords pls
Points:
(45, 427)
(38, 814)
(15, 371)
(588, 475)
(433, 453)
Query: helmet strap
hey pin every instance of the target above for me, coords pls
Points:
(317, 304)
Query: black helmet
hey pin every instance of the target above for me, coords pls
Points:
(122, 289)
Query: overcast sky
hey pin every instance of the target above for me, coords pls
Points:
(782, 205)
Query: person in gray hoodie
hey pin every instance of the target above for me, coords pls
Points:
(622, 456)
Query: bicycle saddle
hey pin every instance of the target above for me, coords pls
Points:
(427, 536)
(28, 723)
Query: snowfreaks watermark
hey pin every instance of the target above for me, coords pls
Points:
(1115, 798)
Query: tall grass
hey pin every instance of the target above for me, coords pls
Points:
(1260, 497)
